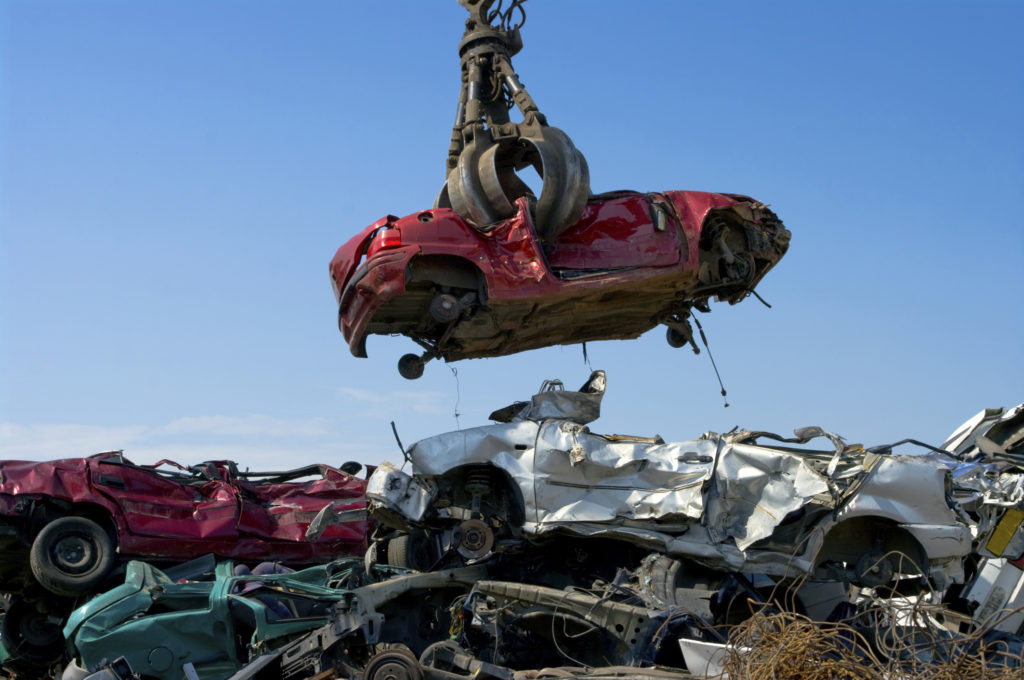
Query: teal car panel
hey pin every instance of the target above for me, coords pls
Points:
(159, 625)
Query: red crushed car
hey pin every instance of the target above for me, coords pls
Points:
(632, 261)
(69, 522)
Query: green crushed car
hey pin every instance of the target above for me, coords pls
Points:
(213, 620)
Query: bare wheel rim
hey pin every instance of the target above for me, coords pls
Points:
(74, 554)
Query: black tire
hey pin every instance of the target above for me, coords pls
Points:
(31, 635)
(71, 556)
(410, 366)
(399, 553)
(675, 338)
(411, 551)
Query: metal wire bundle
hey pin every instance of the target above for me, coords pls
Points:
(787, 646)
(890, 640)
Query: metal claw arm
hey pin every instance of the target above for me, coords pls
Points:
(487, 148)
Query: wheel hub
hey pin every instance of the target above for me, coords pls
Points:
(393, 665)
(39, 630)
(477, 539)
(74, 554)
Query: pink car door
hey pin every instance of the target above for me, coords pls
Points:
(168, 504)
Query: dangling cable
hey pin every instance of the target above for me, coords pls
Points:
(704, 339)
(458, 396)
(763, 301)
(405, 456)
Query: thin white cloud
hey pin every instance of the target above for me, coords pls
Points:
(246, 426)
(254, 442)
(380, 404)
(50, 441)
(255, 458)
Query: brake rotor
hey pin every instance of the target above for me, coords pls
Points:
(477, 539)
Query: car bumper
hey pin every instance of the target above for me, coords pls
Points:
(377, 281)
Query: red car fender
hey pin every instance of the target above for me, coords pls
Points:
(67, 480)
(693, 208)
(349, 255)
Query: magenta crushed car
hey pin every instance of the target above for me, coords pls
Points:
(67, 523)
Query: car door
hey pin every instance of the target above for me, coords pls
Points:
(582, 477)
(282, 509)
(633, 230)
(168, 504)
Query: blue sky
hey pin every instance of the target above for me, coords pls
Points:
(175, 177)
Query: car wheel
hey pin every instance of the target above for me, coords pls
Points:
(31, 635)
(400, 551)
(675, 338)
(393, 664)
(410, 366)
(410, 551)
(444, 308)
(683, 584)
(71, 555)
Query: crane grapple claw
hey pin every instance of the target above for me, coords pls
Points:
(487, 149)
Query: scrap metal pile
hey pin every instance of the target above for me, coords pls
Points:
(532, 547)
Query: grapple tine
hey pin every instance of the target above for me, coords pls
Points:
(498, 177)
(566, 180)
(465, 189)
(487, 148)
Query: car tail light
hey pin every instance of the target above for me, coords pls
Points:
(385, 238)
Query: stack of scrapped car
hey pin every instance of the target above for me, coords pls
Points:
(536, 544)
(68, 526)
(630, 262)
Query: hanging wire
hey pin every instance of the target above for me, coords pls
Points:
(458, 396)
(704, 339)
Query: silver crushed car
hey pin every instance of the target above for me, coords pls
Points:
(745, 501)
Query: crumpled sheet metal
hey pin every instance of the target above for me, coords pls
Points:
(580, 406)
(615, 480)
(992, 431)
(712, 499)
(755, 489)
(391, 488)
(987, 465)
(490, 444)
(658, 495)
